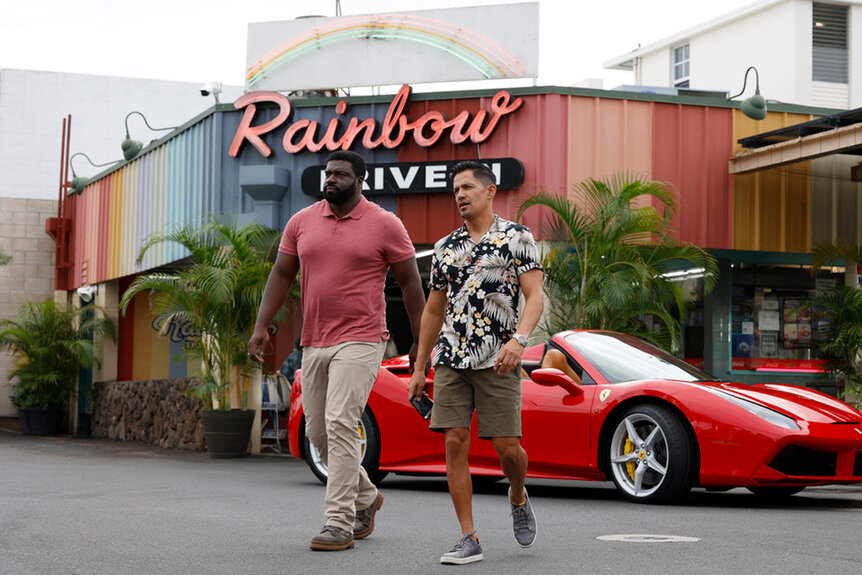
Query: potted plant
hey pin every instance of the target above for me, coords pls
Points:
(51, 341)
(217, 294)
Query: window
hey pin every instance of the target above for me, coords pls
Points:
(680, 66)
(829, 39)
(776, 324)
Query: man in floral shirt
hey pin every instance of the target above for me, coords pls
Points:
(478, 273)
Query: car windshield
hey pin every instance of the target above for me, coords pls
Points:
(621, 358)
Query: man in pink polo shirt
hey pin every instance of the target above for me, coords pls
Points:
(343, 245)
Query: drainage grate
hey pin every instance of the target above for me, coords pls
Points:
(647, 538)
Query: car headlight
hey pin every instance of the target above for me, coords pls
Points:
(765, 413)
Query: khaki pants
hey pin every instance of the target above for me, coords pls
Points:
(336, 381)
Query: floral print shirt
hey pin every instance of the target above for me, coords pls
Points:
(483, 291)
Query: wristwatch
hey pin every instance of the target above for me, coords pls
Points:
(522, 339)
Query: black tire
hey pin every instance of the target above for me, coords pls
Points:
(775, 491)
(656, 464)
(370, 451)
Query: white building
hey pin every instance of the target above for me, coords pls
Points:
(805, 52)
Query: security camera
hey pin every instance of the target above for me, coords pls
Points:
(211, 89)
(87, 292)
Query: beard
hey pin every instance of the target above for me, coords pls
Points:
(336, 195)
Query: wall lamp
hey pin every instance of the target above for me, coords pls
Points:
(79, 183)
(132, 148)
(755, 106)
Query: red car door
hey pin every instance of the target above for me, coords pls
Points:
(556, 429)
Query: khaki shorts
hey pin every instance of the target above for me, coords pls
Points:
(495, 398)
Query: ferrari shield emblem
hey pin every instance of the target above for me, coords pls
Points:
(604, 394)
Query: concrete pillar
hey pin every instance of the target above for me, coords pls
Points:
(717, 323)
(851, 278)
(107, 300)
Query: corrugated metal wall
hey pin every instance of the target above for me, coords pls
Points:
(771, 208)
(836, 207)
(691, 146)
(165, 188)
(562, 140)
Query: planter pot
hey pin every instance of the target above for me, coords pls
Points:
(39, 421)
(227, 433)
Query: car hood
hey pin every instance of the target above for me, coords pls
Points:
(798, 402)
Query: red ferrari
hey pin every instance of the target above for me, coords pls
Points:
(600, 405)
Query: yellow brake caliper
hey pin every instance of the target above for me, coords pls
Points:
(630, 466)
(362, 439)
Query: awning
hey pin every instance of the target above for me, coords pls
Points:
(836, 134)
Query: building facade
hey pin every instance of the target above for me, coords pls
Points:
(806, 52)
(262, 158)
(33, 107)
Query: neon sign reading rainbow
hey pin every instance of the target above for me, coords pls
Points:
(491, 61)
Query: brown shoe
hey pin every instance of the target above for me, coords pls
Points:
(364, 523)
(332, 538)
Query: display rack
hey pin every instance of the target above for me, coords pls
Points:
(271, 403)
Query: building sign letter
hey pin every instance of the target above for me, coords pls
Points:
(308, 135)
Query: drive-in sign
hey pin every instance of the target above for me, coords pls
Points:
(416, 177)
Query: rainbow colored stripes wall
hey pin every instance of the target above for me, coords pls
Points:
(162, 189)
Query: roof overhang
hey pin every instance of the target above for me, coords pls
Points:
(837, 134)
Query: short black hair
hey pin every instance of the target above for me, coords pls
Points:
(354, 159)
(480, 171)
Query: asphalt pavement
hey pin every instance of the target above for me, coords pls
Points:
(81, 506)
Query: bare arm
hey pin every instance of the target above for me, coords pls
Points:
(407, 275)
(280, 279)
(432, 322)
(531, 286)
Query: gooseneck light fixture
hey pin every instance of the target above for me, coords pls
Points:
(79, 183)
(132, 148)
(755, 106)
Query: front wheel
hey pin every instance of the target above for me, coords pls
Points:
(650, 455)
(369, 440)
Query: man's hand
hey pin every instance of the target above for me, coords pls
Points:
(416, 385)
(412, 355)
(256, 343)
(509, 357)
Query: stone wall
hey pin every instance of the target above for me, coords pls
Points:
(155, 412)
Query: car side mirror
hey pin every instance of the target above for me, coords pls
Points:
(552, 377)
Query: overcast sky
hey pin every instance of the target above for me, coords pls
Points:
(205, 40)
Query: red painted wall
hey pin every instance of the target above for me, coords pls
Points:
(562, 140)
(691, 147)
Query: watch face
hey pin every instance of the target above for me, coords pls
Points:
(521, 339)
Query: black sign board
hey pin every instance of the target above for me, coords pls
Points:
(416, 177)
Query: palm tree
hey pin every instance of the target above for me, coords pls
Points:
(842, 306)
(607, 259)
(51, 341)
(218, 295)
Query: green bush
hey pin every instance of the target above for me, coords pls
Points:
(51, 341)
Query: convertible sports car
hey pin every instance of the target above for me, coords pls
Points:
(600, 405)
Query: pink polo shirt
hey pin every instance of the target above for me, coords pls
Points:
(342, 265)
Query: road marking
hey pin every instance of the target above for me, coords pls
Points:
(646, 538)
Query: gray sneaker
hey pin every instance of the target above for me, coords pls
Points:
(523, 521)
(332, 538)
(467, 550)
(363, 525)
